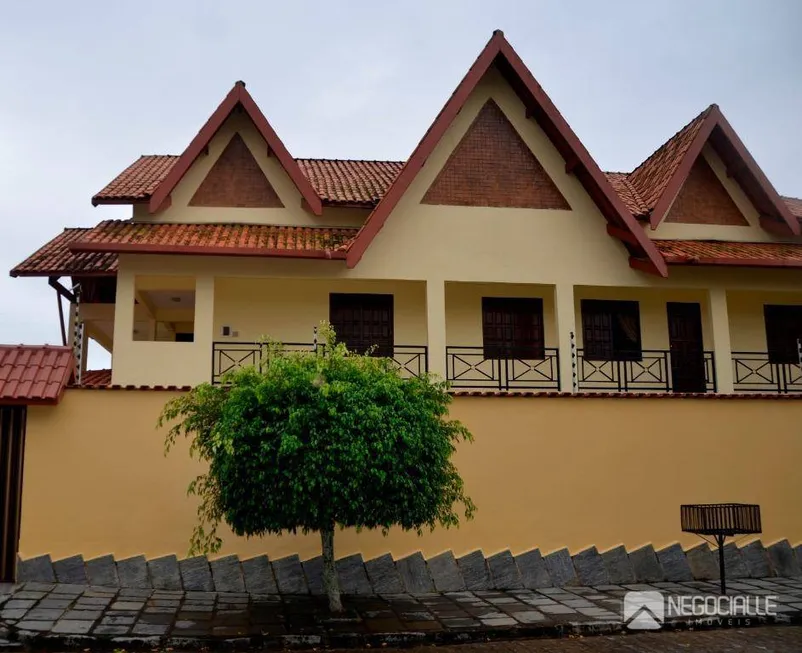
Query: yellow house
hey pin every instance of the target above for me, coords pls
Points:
(499, 256)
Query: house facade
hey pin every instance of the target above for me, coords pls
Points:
(498, 256)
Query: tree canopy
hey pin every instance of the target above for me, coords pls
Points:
(313, 440)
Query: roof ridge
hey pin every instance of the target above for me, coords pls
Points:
(337, 160)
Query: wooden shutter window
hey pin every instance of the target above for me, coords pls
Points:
(611, 330)
(783, 329)
(512, 327)
(362, 321)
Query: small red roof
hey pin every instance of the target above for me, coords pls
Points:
(714, 252)
(96, 378)
(138, 181)
(238, 96)
(119, 236)
(341, 181)
(54, 259)
(660, 177)
(34, 374)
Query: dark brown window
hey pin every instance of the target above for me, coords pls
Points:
(362, 321)
(512, 327)
(783, 329)
(611, 330)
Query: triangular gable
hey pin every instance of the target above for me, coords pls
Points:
(704, 200)
(660, 178)
(238, 96)
(498, 52)
(236, 180)
(492, 166)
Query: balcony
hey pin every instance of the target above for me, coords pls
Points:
(468, 367)
(654, 370)
(411, 360)
(755, 372)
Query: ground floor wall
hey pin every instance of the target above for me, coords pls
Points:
(547, 472)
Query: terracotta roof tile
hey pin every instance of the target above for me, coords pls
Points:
(350, 181)
(336, 181)
(621, 184)
(34, 374)
(216, 239)
(364, 183)
(138, 180)
(96, 378)
(795, 205)
(709, 252)
(651, 177)
(55, 259)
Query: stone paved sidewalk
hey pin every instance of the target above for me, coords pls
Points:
(62, 615)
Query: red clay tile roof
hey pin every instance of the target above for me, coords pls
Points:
(634, 202)
(794, 205)
(336, 181)
(709, 252)
(216, 239)
(54, 259)
(96, 378)
(343, 181)
(651, 177)
(34, 374)
(138, 181)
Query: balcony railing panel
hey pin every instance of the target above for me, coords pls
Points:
(652, 373)
(754, 372)
(411, 360)
(467, 367)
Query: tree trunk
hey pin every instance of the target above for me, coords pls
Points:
(330, 581)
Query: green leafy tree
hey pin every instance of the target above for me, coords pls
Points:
(314, 440)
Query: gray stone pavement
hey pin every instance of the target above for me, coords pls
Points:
(77, 616)
(773, 639)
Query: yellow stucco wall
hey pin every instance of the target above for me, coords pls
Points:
(545, 472)
(289, 309)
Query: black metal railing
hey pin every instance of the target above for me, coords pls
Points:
(754, 372)
(230, 356)
(468, 367)
(652, 372)
(411, 360)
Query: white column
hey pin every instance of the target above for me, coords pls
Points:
(720, 323)
(436, 325)
(204, 327)
(565, 317)
(123, 327)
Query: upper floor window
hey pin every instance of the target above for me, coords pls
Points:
(783, 332)
(611, 330)
(362, 321)
(512, 327)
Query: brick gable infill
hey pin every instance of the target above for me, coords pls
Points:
(236, 181)
(492, 166)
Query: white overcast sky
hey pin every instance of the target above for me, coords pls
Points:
(87, 86)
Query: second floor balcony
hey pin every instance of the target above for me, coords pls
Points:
(478, 336)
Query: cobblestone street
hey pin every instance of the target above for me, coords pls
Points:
(769, 639)
(63, 614)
